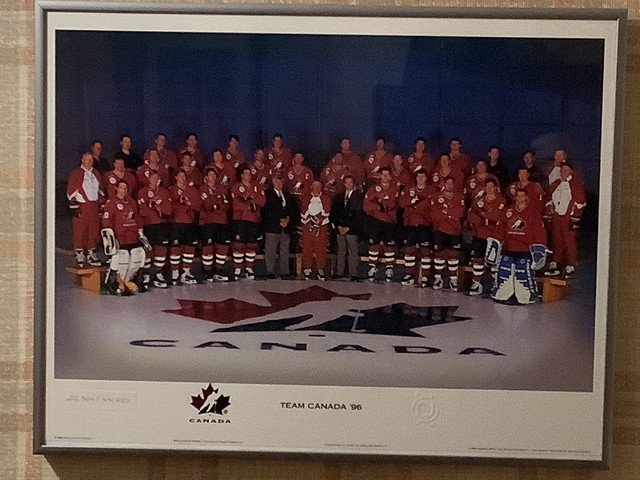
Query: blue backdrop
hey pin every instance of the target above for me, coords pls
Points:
(515, 93)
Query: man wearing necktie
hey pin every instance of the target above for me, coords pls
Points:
(281, 217)
(346, 219)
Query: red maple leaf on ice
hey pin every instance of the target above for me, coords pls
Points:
(233, 310)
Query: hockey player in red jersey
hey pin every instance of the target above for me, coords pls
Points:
(193, 177)
(123, 238)
(185, 201)
(279, 157)
(400, 176)
(443, 170)
(214, 226)
(380, 204)
(260, 170)
(474, 184)
(166, 157)
(154, 207)
(118, 173)
(299, 177)
(247, 198)
(459, 160)
(416, 202)
(226, 174)
(447, 211)
(534, 189)
(152, 164)
(380, 157)
(420, 159)
(353, 161)
(486, 209)
(233, 154)
(518, 249)
(332, 175)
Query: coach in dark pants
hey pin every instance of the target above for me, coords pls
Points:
(346, 218)
(281, 216)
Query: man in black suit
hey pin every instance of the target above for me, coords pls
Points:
(280, 216)
(346, 218)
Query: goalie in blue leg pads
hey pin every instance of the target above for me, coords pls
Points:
(515, 278)
(503, 287)
(525, 286)
(523, 251)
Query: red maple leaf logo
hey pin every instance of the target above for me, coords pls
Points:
(198, 401)
(233, 310)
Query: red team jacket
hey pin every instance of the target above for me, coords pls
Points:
(426, 163)
(216, 203)
(474, 185)
(534, 192)
(447, 213)
(578, 200)
(298, 184)
(333, 180)
(154, 205)
(143, 172)
(194, 178)
(401, 179)
(437, 179)
(122, 217)
(261, 176)
(111, 183)
(373, 164)
(376, 196)
(225, 175)
(75, 191)
(417, 205)
(185, 202)
(235, 159)
(519, 229)
(484, 215)
(247, 201)
(279, 162)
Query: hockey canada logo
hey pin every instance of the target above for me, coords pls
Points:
(210, 402)
(397, 319)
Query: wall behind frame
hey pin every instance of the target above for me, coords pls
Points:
(16, 294)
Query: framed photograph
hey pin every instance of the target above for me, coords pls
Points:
(307, 362)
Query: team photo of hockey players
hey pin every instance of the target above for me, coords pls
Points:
(357, 218)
